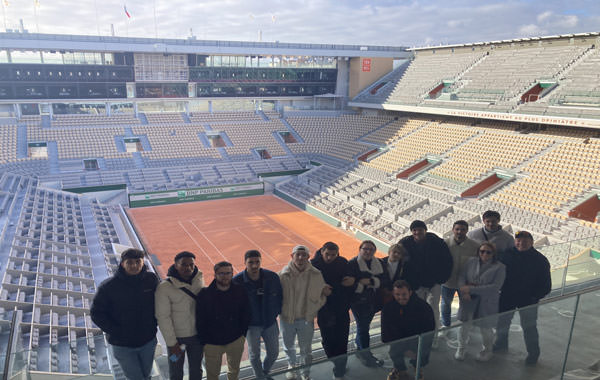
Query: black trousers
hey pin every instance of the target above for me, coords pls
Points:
(335, 326)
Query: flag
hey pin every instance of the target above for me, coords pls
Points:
(126, 13)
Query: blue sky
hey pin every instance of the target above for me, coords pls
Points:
(378, 22)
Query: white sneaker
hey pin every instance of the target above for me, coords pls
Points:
(460, 354)
(484, 355)
(290, 375)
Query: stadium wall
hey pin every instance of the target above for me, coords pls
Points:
(156, 198)
(366, 70)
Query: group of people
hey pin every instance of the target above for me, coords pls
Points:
(489, 269)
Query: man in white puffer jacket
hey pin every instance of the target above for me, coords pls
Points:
(304, 293)
(176, 314)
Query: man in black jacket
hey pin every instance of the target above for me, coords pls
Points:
(367, 271)
(527, 281)
(334, 318)
(433, 261)
(222, 320)
(406, 316)
(124, 309)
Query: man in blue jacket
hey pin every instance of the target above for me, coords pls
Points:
(124, 309)
(265, 295)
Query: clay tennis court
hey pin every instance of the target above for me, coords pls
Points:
(224, 229)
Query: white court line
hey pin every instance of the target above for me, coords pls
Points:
(208, 240)
(262, 250)
(311, 247)
(233, 227)
(195, 242)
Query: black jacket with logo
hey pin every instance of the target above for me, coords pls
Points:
(124, 308)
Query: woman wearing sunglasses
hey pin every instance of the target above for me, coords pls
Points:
(479, 282)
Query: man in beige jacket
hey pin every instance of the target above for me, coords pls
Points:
(462, 249)
(304, 293)
(175, 303)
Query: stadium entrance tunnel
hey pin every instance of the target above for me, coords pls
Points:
(485, 186)
(537, 91)
(588, 210)
(440, 88)
(418, 168)
(363, 157)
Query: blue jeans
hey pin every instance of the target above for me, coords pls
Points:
(270, 336)
(447, 297)
(304, 330)
(363, 315)
(136, 362)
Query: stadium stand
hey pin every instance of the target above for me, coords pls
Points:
(58, 245)
(432, 138)
(342, 131)
(427, 71)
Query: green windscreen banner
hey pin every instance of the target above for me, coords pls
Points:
(156, 198)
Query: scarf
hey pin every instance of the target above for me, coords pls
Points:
(375, 270)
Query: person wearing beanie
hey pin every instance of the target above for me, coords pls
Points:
(433, 261)
(176, 314)
(123, 308)
(304, 293)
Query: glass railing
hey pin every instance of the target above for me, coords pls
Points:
(576, 266)
(568, 327)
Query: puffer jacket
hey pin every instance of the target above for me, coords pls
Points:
(123, 308)
(314, 294)
(176, 310)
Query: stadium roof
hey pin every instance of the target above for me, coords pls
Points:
(576, 35)
(60, 42)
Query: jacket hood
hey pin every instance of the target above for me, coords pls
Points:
(172, 272)
(290, 268)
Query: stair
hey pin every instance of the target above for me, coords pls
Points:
(262, 114)
(46, 121)
(143, 118)
(22, 147)
(53, 157)
(292, 130)
(279, 139)
(138, 160)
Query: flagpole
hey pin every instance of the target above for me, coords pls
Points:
(97, 24)
(155, 27)
(4, 14)
(35, 6)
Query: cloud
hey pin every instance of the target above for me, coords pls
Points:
(567, 21)
(531, 30)
(377, 22)
(544, 16)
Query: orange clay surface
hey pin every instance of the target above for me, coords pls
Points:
(224, 229)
